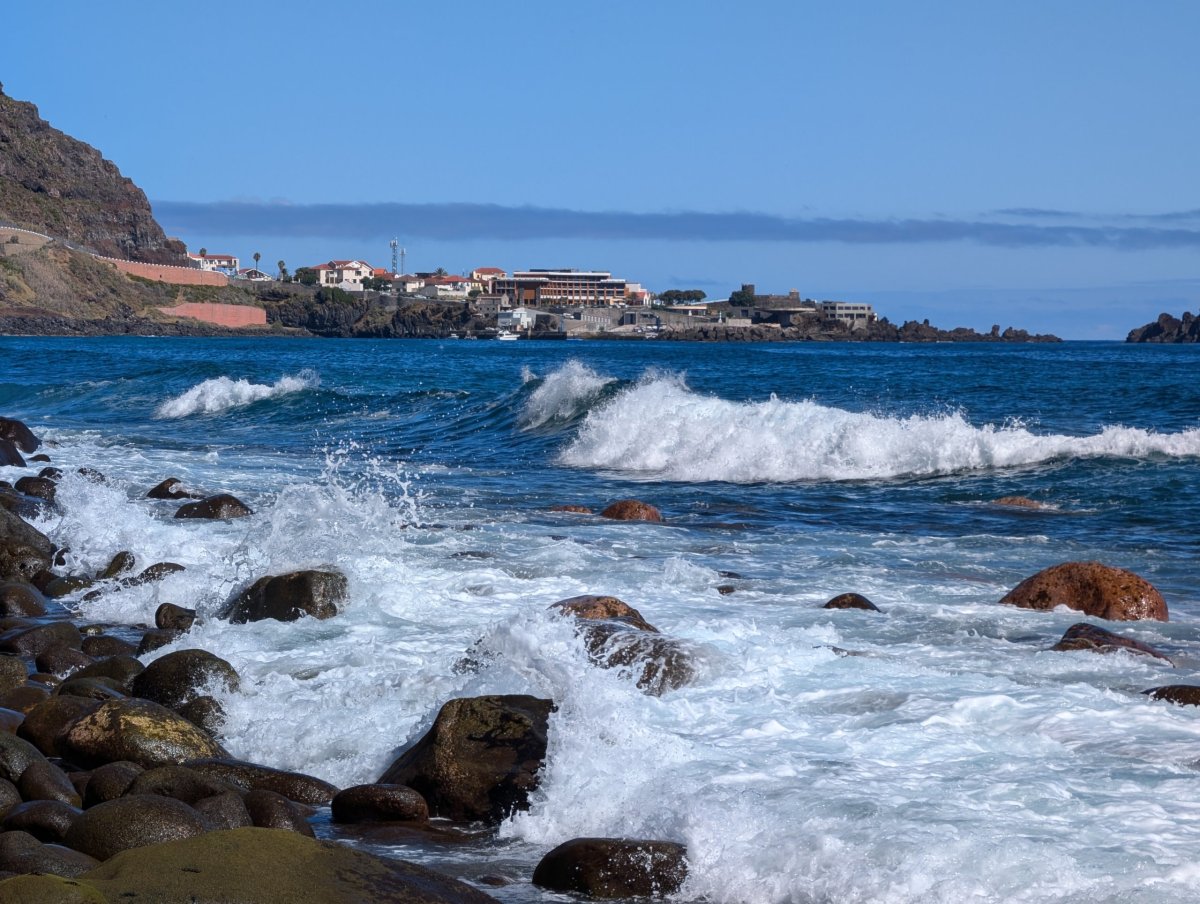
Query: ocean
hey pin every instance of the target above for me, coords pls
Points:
(936, 751)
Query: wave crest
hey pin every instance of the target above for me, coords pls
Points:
(222, 393)
(660, 428)
(562, 395)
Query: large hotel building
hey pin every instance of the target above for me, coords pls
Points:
(534, 287)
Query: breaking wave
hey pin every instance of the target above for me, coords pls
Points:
(222, 393)
(660, 428)
(562, 395)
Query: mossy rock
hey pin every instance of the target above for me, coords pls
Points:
(138, 731)
(269, 866)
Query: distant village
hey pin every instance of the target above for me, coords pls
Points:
(563, 301)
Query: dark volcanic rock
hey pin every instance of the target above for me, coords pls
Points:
(613, 868)
(155, 638)
(10, 455)
(121, 563)
(178, 782)
(29, 642)
(174, 679)
(42, 780)
(269, 810)
(21, 599)
(135, 820)
(1092, 637)
(632, 510)
(295, 786)
(481, 758)
(37, 487)
(20, 435)
(172, 488)
(204, 712)
(24, 550)
(379, 803)
(101, 645)
(851, 601)
(47, 723)
(170, 617)
(45, 820)
(110, 781)
(20, 852)
(288, 597)
(220, 506)
(1099, 590)
(1168, 329)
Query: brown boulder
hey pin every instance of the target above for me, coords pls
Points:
(632, 510)
(153, 638)
(10, 455)
(178, 782)
(479, 760)
(379, 803)
(170, 617)
(104, 645)
(851, 601)
(613, 868)
(47, 723)
(42, 780)
(29, 642)
(1183, 694)
(121, 563)
(1099, 590)
(603, 608)
(20, 852)
(221, 505)
(1092, 637)
(24, 550)
(269, 810)
(13, 672)
(121, 669)
(572, 509)
(20, 599)
(45, 820)
(139, 731)
(38, 487)
(1019, 502)
(287, 597)
(109, 782)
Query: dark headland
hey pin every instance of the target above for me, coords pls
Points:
(1168, 330)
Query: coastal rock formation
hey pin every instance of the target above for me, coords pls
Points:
(175, 679)
(851, 601)
(222, 505)
(1099, 590)
(1092, 637)
(603, 608)
(480, 759)
(24, 550)
(1168, 329)
(171, 488)
(56, 184)
(379, 803)
(632, 510)
(19, 434)
(1182, 694)
(287, 597)
(613, 868)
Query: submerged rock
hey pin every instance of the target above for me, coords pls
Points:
(1183, 694)
(613, 868)
(851, 601)
(1099, 590)
(1092, 637)
(221, 505)
(479, 760)
(572, 509)
(172, 488)
(287, 597)
(632, 510)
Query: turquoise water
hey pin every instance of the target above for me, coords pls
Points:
(954, 758)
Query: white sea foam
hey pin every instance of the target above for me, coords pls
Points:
(563, 394)
(223, 393)
(660, 428)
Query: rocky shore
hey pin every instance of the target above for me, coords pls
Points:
(1168, 329)
(832, 331)
(115, 785)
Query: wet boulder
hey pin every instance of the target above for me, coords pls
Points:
(205, 712)
(180, 677)
(60, 660)
(1101, 591)
(613, 868)
(20, 852)
(47, 723)
(38, 487)
(19, 434)
(139, 731)
(618, 637)
(154, 638)
(632, 510)
(24, 698)
(851, 601)
(10, 455)
(105, 645)
(1183, 694)
(120, 564)
(287, 597)
(121, 669)
(45, 820)
(221, 505)
(172, 488)
(29, 642)
(24, 550)
(20, 599)
(170, 617)
(479, 760)
(1083, 636)
(178, 782)
(379, 803)
(295, 786)
(13, 672)
(42, 780)
(269, 810)
(110, 781)
(152, 574)
(263, 865)
(132, 821)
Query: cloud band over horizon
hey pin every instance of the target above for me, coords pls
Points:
(457, 222)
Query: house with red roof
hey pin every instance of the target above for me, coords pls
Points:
(348, 275)
(222, 263)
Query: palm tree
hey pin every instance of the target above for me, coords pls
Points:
(203, 252)
(257, 258)
(282, 270)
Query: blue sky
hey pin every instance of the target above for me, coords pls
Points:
(1020, 163)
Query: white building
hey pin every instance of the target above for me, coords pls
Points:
(221, 263)
(348, 275)
(517, 320)
(854, 314)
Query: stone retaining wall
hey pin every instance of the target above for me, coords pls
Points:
(231, 315)
(180, 276)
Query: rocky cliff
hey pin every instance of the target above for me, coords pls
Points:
(53, 183)
(1168, 329)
